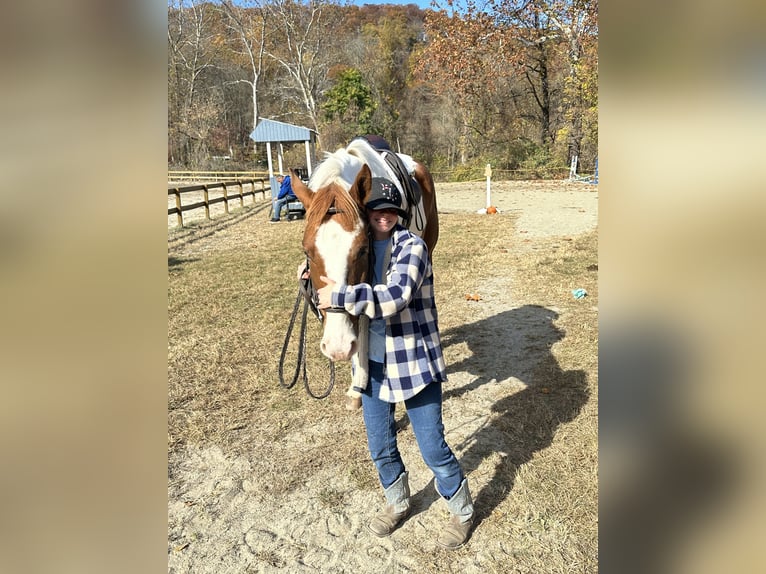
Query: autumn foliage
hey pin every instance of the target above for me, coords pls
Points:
(460, 85)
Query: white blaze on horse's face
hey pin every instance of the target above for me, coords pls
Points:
(333, 244)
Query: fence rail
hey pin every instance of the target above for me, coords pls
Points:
(449, 175)
(477, 174)
(223, 187)
(213, 176)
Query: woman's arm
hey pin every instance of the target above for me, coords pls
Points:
(409, 270)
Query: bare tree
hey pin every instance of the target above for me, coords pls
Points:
(248, 28)
(570, 23)
(190, 53)
(303, 48)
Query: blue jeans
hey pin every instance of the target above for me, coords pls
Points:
(280, 203)
(425, 414)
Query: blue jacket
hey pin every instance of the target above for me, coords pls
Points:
(406, 300)
(285, 188)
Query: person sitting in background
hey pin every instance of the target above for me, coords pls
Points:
(285, 196)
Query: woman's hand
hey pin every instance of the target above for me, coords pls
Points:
(325, 293)
(302, 273)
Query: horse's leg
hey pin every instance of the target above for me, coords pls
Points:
(360, 363)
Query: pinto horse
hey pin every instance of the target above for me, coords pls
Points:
(336, 235)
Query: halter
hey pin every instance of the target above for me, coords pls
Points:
(306, 292)
(307, 287)
(311, 295)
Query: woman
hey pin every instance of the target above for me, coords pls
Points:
(406, 365)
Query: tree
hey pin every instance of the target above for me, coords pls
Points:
(248, 30)
(527, 53)
(388, 44)
(349, 103)
(510, 82)
(192, 55)
(460, 62)
(572, 24)
(304, 47)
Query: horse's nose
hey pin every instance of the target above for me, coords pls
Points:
(338, 350)
(338, 338)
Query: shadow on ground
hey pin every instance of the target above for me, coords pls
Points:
(197, 230)
(515, 343)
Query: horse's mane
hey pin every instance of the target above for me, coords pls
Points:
(340, 167)
(362, 149)
(343, 165)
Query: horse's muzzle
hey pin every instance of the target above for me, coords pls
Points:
(339, 338)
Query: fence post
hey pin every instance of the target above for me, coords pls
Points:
(573, 168)
(225, 198)
(179, 214)
(241, 197)
(488, 175)
(207, 203)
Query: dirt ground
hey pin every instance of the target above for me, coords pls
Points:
(544, 208)
(241, 529)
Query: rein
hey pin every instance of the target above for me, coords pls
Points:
(307, 293)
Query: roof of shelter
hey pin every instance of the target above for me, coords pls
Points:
(274, 131)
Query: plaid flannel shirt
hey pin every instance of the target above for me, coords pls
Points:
(413, 347)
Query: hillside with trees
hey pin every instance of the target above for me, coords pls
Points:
(507, 82)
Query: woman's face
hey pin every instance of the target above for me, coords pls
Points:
(382, 221)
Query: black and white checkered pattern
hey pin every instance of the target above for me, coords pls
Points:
(413, 347)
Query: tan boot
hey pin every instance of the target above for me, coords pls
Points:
(455, 533)
(458, 528)
(397, 508)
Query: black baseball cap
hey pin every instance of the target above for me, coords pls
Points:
(385, 195)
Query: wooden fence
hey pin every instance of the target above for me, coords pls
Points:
(225, 181)
(213, 176)
(226, 188)
(451, 175)
(477, 174)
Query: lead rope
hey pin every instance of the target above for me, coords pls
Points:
(301, 352)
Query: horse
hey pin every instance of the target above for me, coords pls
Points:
(336, 234)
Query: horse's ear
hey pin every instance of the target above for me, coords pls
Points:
(360, 191)
(301, 190)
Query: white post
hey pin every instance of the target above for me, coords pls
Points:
(308, 158)
(488, 173)
(280, 152)
(573, 168)
(268, 156)
(271, 172)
